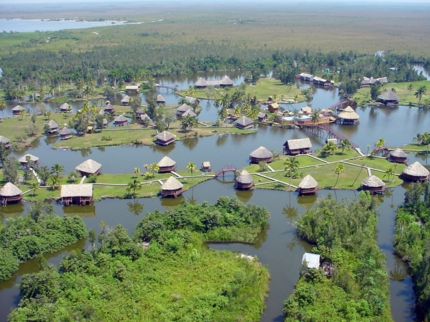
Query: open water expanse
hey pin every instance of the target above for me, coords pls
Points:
(277, 246)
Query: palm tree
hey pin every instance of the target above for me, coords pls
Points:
(154, 168)
(2, 107)
(147, 166)
(133, 187)
(55, 181)
(34, 186)
(292, 164)
(403, 218)
(57, 168)
(329, 148)
(136, 171)
(253, 113)
(237, 110)
(340, 168)
(345, 145)
(389, 173)
(380, 143)
(410, 88)
(315, 116)
(191, 167)
(420, 92)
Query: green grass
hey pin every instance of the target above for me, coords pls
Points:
(338, 155)
(266, 87)
(378, 163)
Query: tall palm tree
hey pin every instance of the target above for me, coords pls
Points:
(133, 187)
(380, 143)
(154, 167)
(191, 167)
(345, 145)
(340, 168)
(329, 148)
(315, 116)
(34, 186)
(389, 173)
(403, 218)
(420, 92)
(54, 181)
(136, 171)
(57, 168)
(291, 165)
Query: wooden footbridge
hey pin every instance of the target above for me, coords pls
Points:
(322, 130)
(227, 168)
(165, 86)
(334, 107)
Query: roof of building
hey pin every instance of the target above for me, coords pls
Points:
(206, 164)
(160, 98)
(183, 108)
(4, 139)
(132, 87)
(311, 260)
(299, 143)
(109, 107)
(201, 82)
(23, 159)
(348, 114)
(52, 124)
(65, 107)
(308, 182)
(89, 166)
(125, 99)
(262, 115)
(274, 105)
(172, 184)
(189, 113)
(120, 119)
(416, 169)
(244, 177)
(306, 109)
(18, 108)
(373, 182)
(65, 131)
(77, 190)
(10, 190)
(398, 153)
(388, 95)
(165, 136)
(166, 162)
(262, 153)
(190, 99)
(226, 81)
(244, 121)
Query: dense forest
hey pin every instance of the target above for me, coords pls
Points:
(174, 277)
(38, 232)
(412, 243)
(344, 235)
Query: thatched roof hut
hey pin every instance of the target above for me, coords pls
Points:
(160, 99)
(17, 110)
(388, 98)
(306, 110)
(244, 180)
(373, 184)
(308, 186)
(262, 116)
(273, 107)
(23, 159)
(226, 81)
(89, 167)
(398, 155)
(81, 194)
(166, 165)
(206, 166)
(192, 100)
(172, 188)
(65, 107)
(189, 113)
(65, 133)
(415, 172)
(4, 140)
(182, 109)
(109, 108)
(120, 120)
(244, 122)
(125, 100)
(261, 155)
(10, 193)
(348, 116)
(201, 83)
(164, 138)
(53, 127)
(298, 146)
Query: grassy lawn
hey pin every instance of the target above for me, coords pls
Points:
(337, 156)
(379, 163)
(266, 87)
(414, 147)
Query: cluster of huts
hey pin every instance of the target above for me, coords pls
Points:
(203, 83)
(319, 81)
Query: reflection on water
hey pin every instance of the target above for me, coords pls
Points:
(135, 207)
(244, 195)
(80, 211)
(171, 203)
(11, 210)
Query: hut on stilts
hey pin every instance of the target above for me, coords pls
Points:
(244, 181)
(10, 193)
(373, 184)
(308, 186)
(416, 172)
(172, 188)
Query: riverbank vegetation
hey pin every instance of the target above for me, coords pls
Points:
(128, 278)
(39, 232)
(411, 243)
(343, 233)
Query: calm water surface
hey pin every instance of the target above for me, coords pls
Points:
(277, 246)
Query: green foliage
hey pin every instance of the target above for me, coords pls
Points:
(344, 235)
(10, 170)
(36, 233)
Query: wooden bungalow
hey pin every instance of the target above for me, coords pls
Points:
(308, 186)
(244, 122)
(373, 184)
(172, 188)
(144, 118)
(206, 166)
(262, 117)
(182, 109)
(23, 160)
(52, 127)
(348, 117)
(65, 133)
(306, 110)
(166, 165)
(261, 155)
(109, 108)
(372, 81)
(306, 77)
(416, 172)
(132, 89)
(321, 81)
(388, 98)
(17, 110)
(89, 167)
(4, 140)
(164, 138)
(10, 193)
(201, 83)
(192, 100)
(140, 112)
(125, 100)
(160, 99)
(189, 113)
(298, 146)
(398, 155)
(65, 108)
(77, 194)
(311, 260)
(244, 181)
(120, 120)
(273, 107)
(226, 81)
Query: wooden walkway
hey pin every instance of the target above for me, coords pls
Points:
(335, 106)
(228, 168)
(165, 86)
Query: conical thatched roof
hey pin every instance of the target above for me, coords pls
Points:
(65, 131)
(183, 108)
(125, 99)
(373, 182)
(109, 107)
(388, 96)
(166, 162)
(89, 166)
(308, 182)
(10, 190)
(76, 190)
(398, 153)
(18, 108)
(226, 81)
(4, 139)
(172, 184)
(244, 121)
(65, 107)
(348, 114)
(306, 109)
(52, 124)
(201, 82)
(160, 98)
(23, 159)
(165, 136)
(416, 169)
(120, 119)
(244, 177)
(189, 113)
(261, 152)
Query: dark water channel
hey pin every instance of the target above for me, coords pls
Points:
(277, 246)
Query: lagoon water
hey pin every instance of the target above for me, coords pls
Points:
(277, 246)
